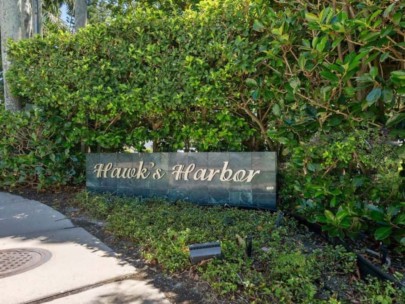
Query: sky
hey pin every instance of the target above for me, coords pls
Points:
(63, 12)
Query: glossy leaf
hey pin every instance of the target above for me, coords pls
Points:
(382, 233)
(373, 96)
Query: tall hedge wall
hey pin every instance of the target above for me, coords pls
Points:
(320, 82)
(233, 75)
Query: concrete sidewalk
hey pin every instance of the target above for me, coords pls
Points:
(79, 269)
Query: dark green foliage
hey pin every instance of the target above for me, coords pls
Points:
(230, 76)
(350, 183)
(318, 82)
(117, 86)
(287, 266)
(36, 152)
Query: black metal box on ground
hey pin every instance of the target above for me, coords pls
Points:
(204, 251)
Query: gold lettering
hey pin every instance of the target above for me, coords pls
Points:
(115, 173)
(239, 176)
(250, 176)
(98, 169)
(189, 169)
(226, 174)
(142, 172)
(178, 171)
(132, 172)
(158, 174)
(102, 170)
(124, 171)
(212, 174)
(200, 175)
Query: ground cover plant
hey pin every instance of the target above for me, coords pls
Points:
(351, 184)
(288, 265)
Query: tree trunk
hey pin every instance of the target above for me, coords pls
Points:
(37, 16)
(80, 14)
(16, 23)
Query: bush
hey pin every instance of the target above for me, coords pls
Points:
(231, 75)
(235, 75)
(350, 183)
(35, 152)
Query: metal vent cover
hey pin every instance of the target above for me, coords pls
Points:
(204, 251)
(17, 260)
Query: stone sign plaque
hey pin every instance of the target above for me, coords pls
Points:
(245, 179)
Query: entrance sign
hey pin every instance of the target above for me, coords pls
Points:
(245, 179)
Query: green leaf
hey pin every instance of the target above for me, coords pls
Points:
(384, 56)
(329, 215)
(321, 44)
(392, 211)
(336, 42)
(388, 10)
(334, 121)
(251, 82)
(387, 31)
(311, 17)
(397, 18)
(295, 84)
(374, 15)
(278, 31)
(341, 214)
(400, 220)
(373, 96)
(276, 110)
(358, 182)
(302, 61)
(395, 119)
(258, 26)
(382, 233)
(333, 202)
(52, 157)
(387, 95)
(336, 192)
(373, 72)
(355, 63)
(398, 77)
(365, 78)
(329, 76)
(306, 43)
(255, 94)
(313, 167)
(367, 36)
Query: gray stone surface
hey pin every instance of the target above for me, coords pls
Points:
(78, 258)
(215, 192)
(20, 216)
(123, 292)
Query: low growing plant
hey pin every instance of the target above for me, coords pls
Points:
(282, 269)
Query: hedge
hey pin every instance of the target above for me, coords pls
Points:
(321, 84)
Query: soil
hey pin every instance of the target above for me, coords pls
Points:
(177, 288)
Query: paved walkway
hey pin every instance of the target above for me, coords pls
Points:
(81, 269)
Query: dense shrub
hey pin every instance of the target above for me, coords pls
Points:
(35, 152)
(287, 265)
(242, 75)
(216, 77)
(350, 183)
